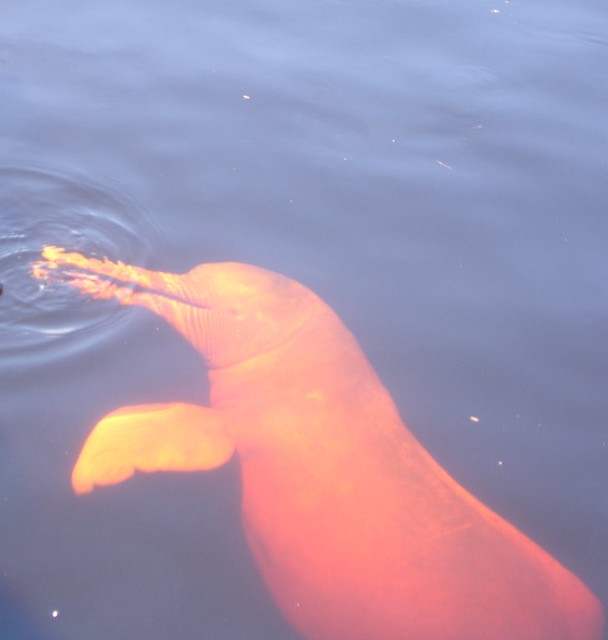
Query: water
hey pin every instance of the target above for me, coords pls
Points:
(41, 208)
(435, 171)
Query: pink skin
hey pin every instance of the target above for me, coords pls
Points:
(358, 533)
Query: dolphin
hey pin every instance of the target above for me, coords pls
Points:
(357, 532)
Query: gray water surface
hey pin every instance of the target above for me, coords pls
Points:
(435, 170)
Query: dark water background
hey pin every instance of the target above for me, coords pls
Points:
(437, 171)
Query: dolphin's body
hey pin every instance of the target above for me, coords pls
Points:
(358, 533)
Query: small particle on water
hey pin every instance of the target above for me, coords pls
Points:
(54, 613)
(246, 97)
(499, 463)
(494, 10)
(473, 418)
(1, 288)
(445, 165)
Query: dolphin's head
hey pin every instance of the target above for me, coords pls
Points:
(230, 312)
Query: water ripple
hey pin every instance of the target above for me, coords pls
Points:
(41, 206)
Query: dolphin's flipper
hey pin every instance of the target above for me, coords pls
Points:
(151, 437)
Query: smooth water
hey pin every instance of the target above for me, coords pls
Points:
(436, 171)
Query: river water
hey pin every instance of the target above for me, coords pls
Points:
(435, 170)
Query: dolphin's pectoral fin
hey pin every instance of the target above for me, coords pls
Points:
(151, 437)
